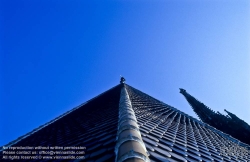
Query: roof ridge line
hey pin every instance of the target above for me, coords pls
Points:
(129, 143)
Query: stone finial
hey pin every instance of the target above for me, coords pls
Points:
(122, 80)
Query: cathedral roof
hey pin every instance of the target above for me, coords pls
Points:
(164, 132)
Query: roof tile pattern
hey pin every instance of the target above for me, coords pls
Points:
(170, 135)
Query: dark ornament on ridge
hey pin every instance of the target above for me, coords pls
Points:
(122, 80)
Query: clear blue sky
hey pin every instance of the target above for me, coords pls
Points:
(56, 54)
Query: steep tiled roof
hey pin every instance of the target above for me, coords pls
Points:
(167, 134)
(171, 135)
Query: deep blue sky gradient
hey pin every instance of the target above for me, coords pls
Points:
(57, 54)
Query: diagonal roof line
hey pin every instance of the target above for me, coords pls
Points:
(53, 120)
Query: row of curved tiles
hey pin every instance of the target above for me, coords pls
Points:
(173, 136)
